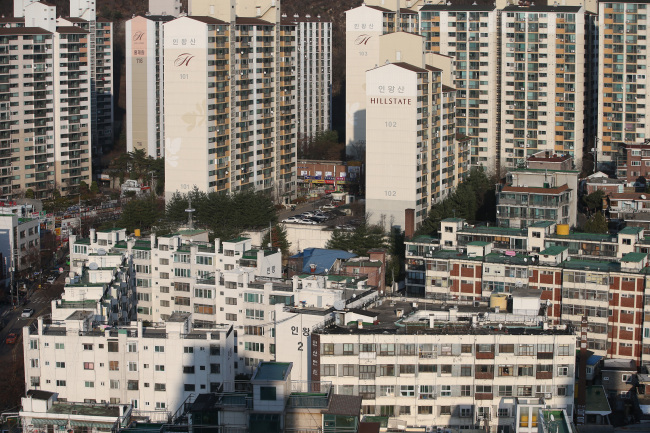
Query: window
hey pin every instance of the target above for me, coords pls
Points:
(188, 369)
(215, 350)
(466, 370)
(563, 350)
(387, 370)
(466, 348)
(33, 344)
(60, 383)
(132, 347)
(160, 405)
(231, 317)
(506, 348)
(366, 347)
(524, 391)
(386, 349)
(159, 367)
(387, 390)
(407, 369)
(367, 371)
(348, 370)
(113, 346)
(426, 392)
(484, 389)
(407, 390)
(348, 349)
(114, 384)
(405, 410)
(505, 390)
(159, 387)
(445, 391)
(60, 364)
(427, 368)
(505, 370)
(267, 393)
(445, 410)
(88, 347)
(89, 365)
(159, 349)
(465, 411)
(525, 370)
(188, 349)
(189, 387)
(113, 365)
(328, 348)
(563, 370)
(132, 385)
(89, 384)
(367, 392)
(59, 345)
(133, 366)
(425, 410)
(466, 390)
(34, 362)
(503, 412)
(329, 370)
(445, 369)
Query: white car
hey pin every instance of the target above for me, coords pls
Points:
(27, 312)
(328, 206)
(307, 214)
(291, 219)
(51, 280)
(307, 221)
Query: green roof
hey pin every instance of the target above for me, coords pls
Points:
(593, 265)
(554, 250)
(423, 239)
(496, 231)
(630, 231)
(452, 220)
(272, 371)
(597, 399)
(633, 257)
(598, 237)
(478, 243)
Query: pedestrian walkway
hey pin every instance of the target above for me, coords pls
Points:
(42, 299)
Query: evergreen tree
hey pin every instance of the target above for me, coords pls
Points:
(279, 239)
(596, 224)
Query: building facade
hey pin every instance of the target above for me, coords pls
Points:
(429, 369)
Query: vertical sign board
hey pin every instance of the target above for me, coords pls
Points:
(314, 361)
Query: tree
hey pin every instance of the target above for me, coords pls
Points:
(279, 239)
(141, 213)
(594, 201)
(365, 237)
(596, 224)
(94, 188)
(29, 193)
(473, 200)
(323, 146)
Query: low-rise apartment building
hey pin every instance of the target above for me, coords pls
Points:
(462, 367)
(150, 366)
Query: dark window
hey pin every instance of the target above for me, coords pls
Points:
(267, 393)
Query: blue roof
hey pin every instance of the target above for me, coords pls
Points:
(322, 258)
(594, 359)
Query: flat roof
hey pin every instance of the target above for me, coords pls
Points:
(478, 243)
(273, 371)
(597, 399)
(630, 231)
(633, 257)
(554, 250)
(536, 190)
(84, 409)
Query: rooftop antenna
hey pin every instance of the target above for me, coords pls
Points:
(190, 211)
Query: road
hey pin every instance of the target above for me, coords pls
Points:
(303, 207)
(11, 355)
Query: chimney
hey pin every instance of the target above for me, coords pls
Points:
(409, 223)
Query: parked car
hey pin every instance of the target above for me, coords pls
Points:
(11, 338)
(307, 221)
(328, 206)
(291, 219)
(27, 312)
(307, 214)
(51, 280)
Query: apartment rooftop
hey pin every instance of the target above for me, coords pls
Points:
(273, 371)
(394, 316)
(84, 409)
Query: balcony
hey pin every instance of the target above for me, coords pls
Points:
(544, 375)
(484, 375)
(483, 396)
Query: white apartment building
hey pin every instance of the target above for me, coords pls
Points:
(226, 282)
(363, 27)
(19, 244)
(314, 75)
(421, 366)
(153, 368)
(145, 128)
(411, 135)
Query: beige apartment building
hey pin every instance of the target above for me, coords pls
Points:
(517, 70)
(56, 97)
(622, 63)
(233, 128)
(411, 135)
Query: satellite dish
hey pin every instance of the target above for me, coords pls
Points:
(93, 266)
(339, 305)
(101, 252)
